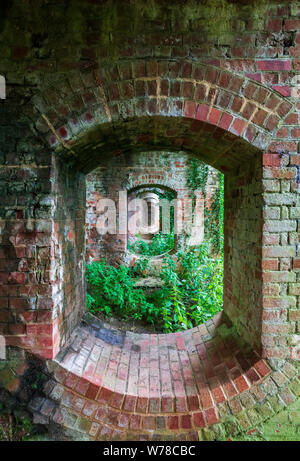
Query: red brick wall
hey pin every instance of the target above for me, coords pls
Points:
(68, 252)
(243, 224)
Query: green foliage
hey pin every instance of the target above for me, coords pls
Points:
(197, 177)
(191, 292)
(141, 265)
(214, 218)
(16, 425)
(160, 243)
(193, 288)
(90, 302)
(112, 290)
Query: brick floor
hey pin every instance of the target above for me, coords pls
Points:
(146, 385)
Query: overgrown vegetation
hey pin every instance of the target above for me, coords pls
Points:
(160, 244)
(197, 178)
(191, 292)
(214, 218)
(191, 284)
(113, 291)
(15, 426)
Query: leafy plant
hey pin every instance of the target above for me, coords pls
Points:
(160, 243)
(112, 290)
(197, 177)
(197, 173)
(190, 294)
(140, 266)
(192, 291)
(214, 218)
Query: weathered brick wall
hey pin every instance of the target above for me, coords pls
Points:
(177, 90)
(26, 229)
(85, 85)
(169, 170)
(68, 252)
(243, 222)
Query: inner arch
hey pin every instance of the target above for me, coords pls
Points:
(217, 147)
(239, 160)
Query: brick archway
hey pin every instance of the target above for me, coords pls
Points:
(166, 85)
(238, 139)
(156, 89)
(228, 121)
(166, 170)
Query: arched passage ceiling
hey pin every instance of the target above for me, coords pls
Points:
(215, 146)
(153, 105)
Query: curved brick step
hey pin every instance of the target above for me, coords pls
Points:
(112, 385)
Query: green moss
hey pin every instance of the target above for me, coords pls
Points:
(284, 426)
(6, 376)
(120, 25)
(218, 20)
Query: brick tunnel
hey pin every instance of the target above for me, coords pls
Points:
(83, 88)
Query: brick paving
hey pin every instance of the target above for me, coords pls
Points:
(145, 385)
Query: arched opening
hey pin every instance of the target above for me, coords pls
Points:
(224, 119)
(165, 273)
(151, 220)
(188, 373)
(193, 372)
(119, 81)
(241, 163)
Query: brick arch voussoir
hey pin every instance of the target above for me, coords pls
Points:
(69, 109)
(148, 179)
